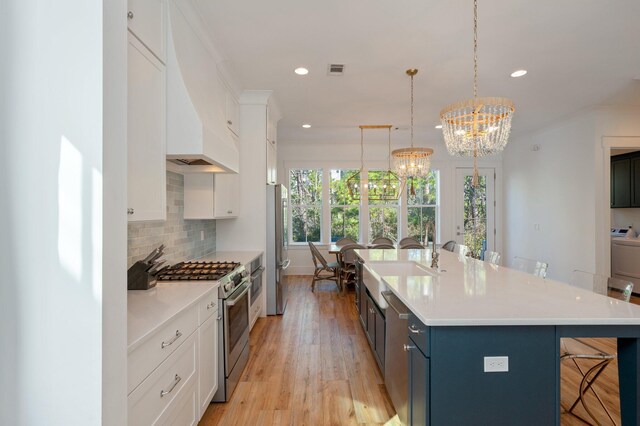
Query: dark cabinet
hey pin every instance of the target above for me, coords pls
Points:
(625, 180)
(375, 330)
(418, 386)
(380, 337)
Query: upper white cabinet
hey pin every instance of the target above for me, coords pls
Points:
(272, 165)
(145, 134)
(211, 195)
(233, 114)
(146, 20)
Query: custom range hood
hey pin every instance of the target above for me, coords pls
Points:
(197, 137)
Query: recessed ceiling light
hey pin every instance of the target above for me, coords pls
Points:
(439, 126)
(301, 71)
(306, 126)
(518, 73)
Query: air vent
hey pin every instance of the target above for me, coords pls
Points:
(336, 69)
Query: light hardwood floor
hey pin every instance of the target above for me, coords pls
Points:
(313, 366)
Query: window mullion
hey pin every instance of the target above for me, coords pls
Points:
(325, 209)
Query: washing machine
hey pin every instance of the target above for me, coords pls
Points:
(625, 260)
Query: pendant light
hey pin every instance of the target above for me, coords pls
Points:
(413, 161)
(479, 126)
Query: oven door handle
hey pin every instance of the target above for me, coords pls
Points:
(257, 273)
(238, 297)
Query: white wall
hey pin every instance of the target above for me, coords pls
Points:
(561, 188)
(58, 172)
(346, 154)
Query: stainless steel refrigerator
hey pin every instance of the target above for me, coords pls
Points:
(276, 256)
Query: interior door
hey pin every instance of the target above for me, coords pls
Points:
(475, 210)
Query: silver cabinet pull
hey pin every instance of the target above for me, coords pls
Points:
(173, 339)
(130, 15)
(219, 318)
(414, 329)
(229, 122)
(229, 211)
(130, 211)
(210, 305)
(407, 348)
(175, 383)
(372, 311)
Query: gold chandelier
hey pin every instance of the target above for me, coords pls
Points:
(384, 186)
(480, 126)
(412, 162)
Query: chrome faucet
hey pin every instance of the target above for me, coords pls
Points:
(434, 254)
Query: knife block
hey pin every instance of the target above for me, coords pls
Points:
(138, 278)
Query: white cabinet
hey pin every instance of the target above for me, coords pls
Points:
(146, 20)
(146, 132)
(208, 368)
(211, 195)
(272, 163)
(233, 114)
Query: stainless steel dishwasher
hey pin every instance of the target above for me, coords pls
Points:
(396, 366)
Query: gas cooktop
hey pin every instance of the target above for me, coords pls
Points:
(192, 271)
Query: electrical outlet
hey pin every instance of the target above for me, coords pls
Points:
(496, 364)
(201, 235)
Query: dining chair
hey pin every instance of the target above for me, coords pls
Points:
(412, 246)
(449, 246)
(382, 240)
(577, 349)
(323, 269)
(407, 240)
(462, 250)
(530, 266)
(492, 257)
(383, 246)
(347, 261)
(344, 241)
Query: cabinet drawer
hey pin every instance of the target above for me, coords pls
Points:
(145, 358)
(165, 386)
(254, 311)
(419, 333)
(183, 410)
(207, 305)
(146, 19)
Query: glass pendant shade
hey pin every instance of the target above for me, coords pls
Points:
(477, 127)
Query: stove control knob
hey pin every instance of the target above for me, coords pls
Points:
(228, 286)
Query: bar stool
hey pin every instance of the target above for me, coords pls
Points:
(530, 266)
(492, 257)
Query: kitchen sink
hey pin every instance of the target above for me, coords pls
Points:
(407, 268)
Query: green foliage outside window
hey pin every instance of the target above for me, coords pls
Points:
(475, 214)
(306, 205)
(345, 210)
(422, 197)
(383, 215)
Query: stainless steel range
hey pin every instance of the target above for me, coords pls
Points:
(233, 317)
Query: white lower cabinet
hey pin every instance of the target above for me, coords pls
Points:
(154, 400)
(208, 362)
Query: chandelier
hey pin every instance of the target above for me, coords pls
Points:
(412, 162)
(480, 126)
(381, 186)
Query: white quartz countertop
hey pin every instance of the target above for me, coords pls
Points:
(465, 291)
(242, 256)
(147, 310)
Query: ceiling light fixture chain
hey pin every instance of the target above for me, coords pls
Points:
(475, 49)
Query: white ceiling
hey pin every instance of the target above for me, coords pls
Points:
(578, 53)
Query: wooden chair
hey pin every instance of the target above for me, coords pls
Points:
(324, 270)
(382, 246)
(382, 240)
(412, 246)
(344, 241)
(347, 261)
(407, 240)
(576, 349)
(530, 266)
(449, 246)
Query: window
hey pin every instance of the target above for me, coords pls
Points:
(422, 197)
(383, 215)
(306, 204)
(345, 211)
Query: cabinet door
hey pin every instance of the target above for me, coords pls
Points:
(146, 19)
(635, 184)
(227, 194)
(418, 387)
(272, 161)
(145, 134)
(208, 361)
(233, 114)
(363, 305)
(371, 322)
(621, 183)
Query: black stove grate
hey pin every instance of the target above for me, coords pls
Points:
(197, 271)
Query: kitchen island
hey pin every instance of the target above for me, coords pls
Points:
(467, 310)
